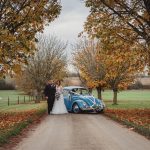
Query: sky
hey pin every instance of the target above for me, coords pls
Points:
(70, 22)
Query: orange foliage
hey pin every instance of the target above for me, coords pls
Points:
(140, 117)
(8, 120)
(19, 23)
(117, 18)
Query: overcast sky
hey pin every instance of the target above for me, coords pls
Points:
(70, 22)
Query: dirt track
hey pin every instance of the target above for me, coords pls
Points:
(82, 132)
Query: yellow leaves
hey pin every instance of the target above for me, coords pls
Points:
(17, 68)
(111, 20)
(146, 15)
(91, 84)
(8, 120)
(20, 22)
(139, 117)
(117, 65)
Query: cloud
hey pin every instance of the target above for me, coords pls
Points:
(70, 22)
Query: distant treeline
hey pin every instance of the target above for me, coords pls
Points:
(6, 86)
(138, 85)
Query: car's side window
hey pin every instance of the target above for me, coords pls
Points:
(84, 92)
(76, 91)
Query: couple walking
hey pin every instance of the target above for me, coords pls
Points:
(54, 95)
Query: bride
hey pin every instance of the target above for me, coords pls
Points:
(59, 105)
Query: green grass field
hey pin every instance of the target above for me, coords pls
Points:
(127, 99)
(10, 115)
(13, 100)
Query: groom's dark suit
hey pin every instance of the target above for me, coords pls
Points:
(49, 91)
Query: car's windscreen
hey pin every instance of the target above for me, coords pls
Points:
(80, 91)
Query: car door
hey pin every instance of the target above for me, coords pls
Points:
(67, 99)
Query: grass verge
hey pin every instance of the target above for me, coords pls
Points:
(12, 123)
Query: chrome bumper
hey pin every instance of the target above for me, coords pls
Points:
(95, 108)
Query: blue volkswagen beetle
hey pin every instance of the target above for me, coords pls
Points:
(78, 99)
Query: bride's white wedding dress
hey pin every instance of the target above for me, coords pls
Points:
(59, 105)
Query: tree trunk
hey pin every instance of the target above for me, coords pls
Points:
(37, 96)
(37, 99)
(99, 92)
(115, 96)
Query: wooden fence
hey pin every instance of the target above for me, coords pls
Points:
(25, 99)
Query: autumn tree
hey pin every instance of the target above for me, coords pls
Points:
(123, 64)
(112, 64)
(49, 62)
(20, 20)
(132, 18)
(91, 70)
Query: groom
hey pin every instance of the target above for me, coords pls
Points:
(49, 91)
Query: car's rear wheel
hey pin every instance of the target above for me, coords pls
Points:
(76, 109)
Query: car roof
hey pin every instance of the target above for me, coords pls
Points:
(73, 87)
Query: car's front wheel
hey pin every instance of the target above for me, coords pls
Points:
(76, 109)
(100, 111)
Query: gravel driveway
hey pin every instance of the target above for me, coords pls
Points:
(82, 132)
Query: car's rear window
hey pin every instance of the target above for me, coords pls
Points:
(65, 92)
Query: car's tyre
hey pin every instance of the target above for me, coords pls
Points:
(76, 109)
(101, 111)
